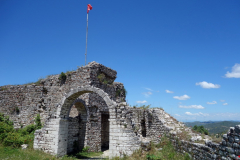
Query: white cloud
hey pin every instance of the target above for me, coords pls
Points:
(192, 106)
(141, 101)
(222, 100)
(149, 89)
(167, 91)
(177, 115)
(203, 114)
(191, 114)
(196, 114)
(235, 72)
(213, 102)
(147, 94)
(205, 84)
(225, 104)
(184, 97)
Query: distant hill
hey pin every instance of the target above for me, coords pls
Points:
(214, 127)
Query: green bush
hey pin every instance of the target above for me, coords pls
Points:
(187, 157)
(152, 157)
(38, 122)
(17, 110)
(62, 76)
(38, 82)
(5, 119)
(13, 139)
(4, 130)
(200, 129)
(101, 77)
(28, 129)
(124, 91)
(85, 149)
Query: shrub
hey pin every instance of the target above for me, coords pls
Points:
(105, 81)
(118, 93)
(4, 130)
(200, 129)
(101, 77)
(5, 119)
(85, 149)
(144, 106)
(124, 91)
(13, 139)
(38, 122)
(152, 157)
(38, 82)
(187, 157)
(3, 88)
(17, 110)
(28, 129)
(62, 76)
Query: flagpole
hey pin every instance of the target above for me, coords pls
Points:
(86, 41)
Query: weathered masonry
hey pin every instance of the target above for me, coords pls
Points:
(87, 108)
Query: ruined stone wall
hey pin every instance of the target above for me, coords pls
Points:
(128, 132)
(23, 102)
(88, 109)
(228, 149)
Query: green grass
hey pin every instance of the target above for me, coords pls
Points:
(11, 140)
(166, 153)
(88, 154)
(10, 153)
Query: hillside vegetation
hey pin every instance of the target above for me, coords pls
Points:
(11, 140)
(214, 127)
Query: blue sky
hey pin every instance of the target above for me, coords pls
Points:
(183, 56)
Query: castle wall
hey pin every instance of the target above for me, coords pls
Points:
(228, 149)
(23, 102)
(88, 109)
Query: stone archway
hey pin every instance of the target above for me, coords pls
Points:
(57, 125)
(77, 120)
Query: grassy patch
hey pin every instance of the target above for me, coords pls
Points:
(28, 154)
(162, 151)
(88, 154)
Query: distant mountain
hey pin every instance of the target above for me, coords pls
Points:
(214, 127)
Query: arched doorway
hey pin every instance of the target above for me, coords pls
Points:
(104, 131)
(77, 126)
(53, 137)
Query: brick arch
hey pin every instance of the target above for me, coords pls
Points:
(81, 101)
(65, 106)
(70, 97)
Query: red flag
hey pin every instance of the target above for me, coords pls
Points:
(89, 7)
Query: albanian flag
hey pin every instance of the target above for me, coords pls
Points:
(89, 7)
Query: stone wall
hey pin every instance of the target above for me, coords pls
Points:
(87, 108)
(23, 102)
(228, 149)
